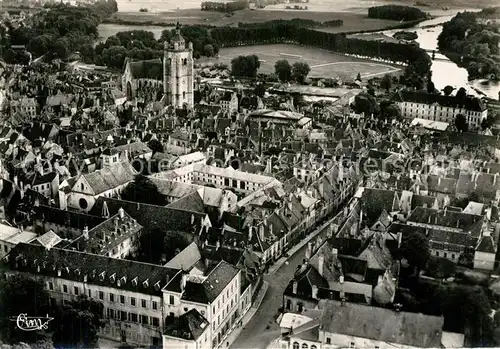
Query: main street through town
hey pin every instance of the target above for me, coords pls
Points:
(256, 333)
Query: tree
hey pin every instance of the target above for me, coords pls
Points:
(415, 249)
(391, 111)
(462, 94)
(448, 90)
(365, 103)
(283, 70)
(488, 122)
(77, 323)
(461, 123)
(245, 66)
(430, 87)
(386, 82)
(156, 146)
(20, 294)
(209, 50)
(358, 77)
(61, 48)
(143, 190)
(300, 70)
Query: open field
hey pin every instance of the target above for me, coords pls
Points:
(323, 63)
(352, 21)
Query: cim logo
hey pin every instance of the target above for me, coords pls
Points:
(26, 323)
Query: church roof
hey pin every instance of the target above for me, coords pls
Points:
(148, 69)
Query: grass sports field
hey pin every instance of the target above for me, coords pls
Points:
(322, 63)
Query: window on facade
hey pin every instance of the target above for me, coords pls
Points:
(445, 255)
(242, 185)
(111, 313)
(133, 317)
(313, 347)
(156, 322)
(235, 183)
(101, 295)
(328, 340)
(122, 299)
(132, 301)
(296, 345)
(143, 303)
(90, 293)
(51, 286)
(352, 345)
(184, 95)
(111, 297)
(305, 346)
(65, 288)
(155, 305)
(76, 290)
(123, 315)
(144, 319)
(171, 300)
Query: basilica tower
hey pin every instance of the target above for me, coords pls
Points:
(178, 72)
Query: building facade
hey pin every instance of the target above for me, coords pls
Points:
(441, 108)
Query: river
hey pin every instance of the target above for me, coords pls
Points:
(444, 71)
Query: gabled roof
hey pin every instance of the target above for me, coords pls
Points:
(486, 245)
(110, 177)
(186, 259)
(412, 329)
(189, 326)
(473, 104)
(147, 69)
(95, 269)
(216, 281)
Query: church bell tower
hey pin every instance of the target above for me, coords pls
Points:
(178, 72)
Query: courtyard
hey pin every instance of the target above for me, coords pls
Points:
(322, 63)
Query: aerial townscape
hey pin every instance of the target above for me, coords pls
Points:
(268, 174)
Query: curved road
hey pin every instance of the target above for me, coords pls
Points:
(256, 335)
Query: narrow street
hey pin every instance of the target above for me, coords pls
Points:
(256, 334)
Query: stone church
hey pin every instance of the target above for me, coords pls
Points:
(171, 76)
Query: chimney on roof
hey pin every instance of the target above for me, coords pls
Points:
(321, 262)
(315, 292)
(295, 286)
(309, 251)
(183, 282)
(86, 232)
(439, 181)
(261, 231)
(121, 213)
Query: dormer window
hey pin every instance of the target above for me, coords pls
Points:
(112, 278)
(84, 278)
(77, 271)
(157, 286)
(123, 280)
(145, 284)
(134, 281)
(102, 276)
(59, 272)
